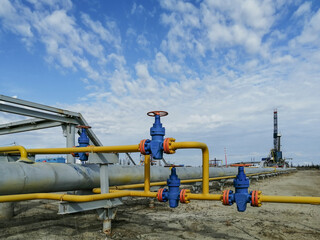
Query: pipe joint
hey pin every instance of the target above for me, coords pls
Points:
(184, 195)
(255, 198)
(167, 145)
(144, 147)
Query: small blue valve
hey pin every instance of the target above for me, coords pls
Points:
(241, 196)
(83, 141)
(173, 194)
(241, 184)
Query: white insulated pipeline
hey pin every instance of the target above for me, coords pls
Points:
(19, 177)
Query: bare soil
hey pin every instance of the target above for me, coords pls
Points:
(197, 220)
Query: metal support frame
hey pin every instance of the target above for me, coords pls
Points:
(74, 207)
(69, 132)
(105, 208)
(27, 125)
(32, 113)
(46, 117)
(106, 214)
(42, 117)
(130, 158)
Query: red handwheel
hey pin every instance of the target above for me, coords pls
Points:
(159, 113)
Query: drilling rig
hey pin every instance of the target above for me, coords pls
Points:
(275, 158)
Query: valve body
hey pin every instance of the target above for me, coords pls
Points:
(157, 132)
(83, 141)
(241, 196)
(173, 193)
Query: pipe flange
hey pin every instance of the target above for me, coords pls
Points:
(160, 194)
(255, 198)
(184, 195)
(142, 146)
(167, 145)
(225, 197)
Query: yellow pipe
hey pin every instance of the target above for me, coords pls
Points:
(21, 149)
(120, 193)
(62, 197)
(213, 197)
(290, 199)
(137, 193)
(262, 198)
(76, 198)
(162, 183)
(205, 160)
(147, 173)
(93, 149)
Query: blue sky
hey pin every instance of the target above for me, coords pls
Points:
(218, 67)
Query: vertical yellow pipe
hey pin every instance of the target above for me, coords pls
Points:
(205, 171)
(147, 173)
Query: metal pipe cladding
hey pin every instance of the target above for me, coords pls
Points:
(19, 177)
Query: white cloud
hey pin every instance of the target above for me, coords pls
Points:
(13, 19)
(311, 31)
(220, 70)
(175, 5)
(137, 8)
(106, 33)
(53, 4)
(68, 45)
(164, 67)
(303, 9)
(217, 24)
(142, 41)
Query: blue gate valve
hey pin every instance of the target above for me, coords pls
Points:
(83, 141)
(173, 194)
(241, 196)
(157, 132)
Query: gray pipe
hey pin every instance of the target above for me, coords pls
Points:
(19, 177)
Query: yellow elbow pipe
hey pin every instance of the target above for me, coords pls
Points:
(21, 149)
(205, 160)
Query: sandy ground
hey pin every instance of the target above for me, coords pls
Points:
(197, 220)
